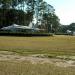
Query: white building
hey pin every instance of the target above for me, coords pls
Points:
(20, 28)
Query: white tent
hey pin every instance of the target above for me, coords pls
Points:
(20, 28)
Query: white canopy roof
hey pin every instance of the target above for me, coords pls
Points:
(14, 26)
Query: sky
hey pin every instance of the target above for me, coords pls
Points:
(64, 9)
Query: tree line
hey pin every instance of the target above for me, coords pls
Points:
(11, 12)
(63, 28)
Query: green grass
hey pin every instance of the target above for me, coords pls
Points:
(56, 45)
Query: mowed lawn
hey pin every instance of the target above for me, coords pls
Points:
(59, 44)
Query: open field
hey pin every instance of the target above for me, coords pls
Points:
(26, 68)
(54, 55)
(59, 45)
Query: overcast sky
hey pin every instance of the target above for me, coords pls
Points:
(64, 9)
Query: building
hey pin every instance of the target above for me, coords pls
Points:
(20, 28)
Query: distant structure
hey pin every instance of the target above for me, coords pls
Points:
(21, 28)
(69, 32)
(73, 33)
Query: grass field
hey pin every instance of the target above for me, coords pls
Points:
(27, 46)
(58, 45)
(25, 68)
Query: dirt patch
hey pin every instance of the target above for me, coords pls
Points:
(8, 56)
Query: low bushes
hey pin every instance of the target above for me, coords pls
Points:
(24, 34)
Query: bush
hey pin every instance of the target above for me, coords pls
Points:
(7, 33)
